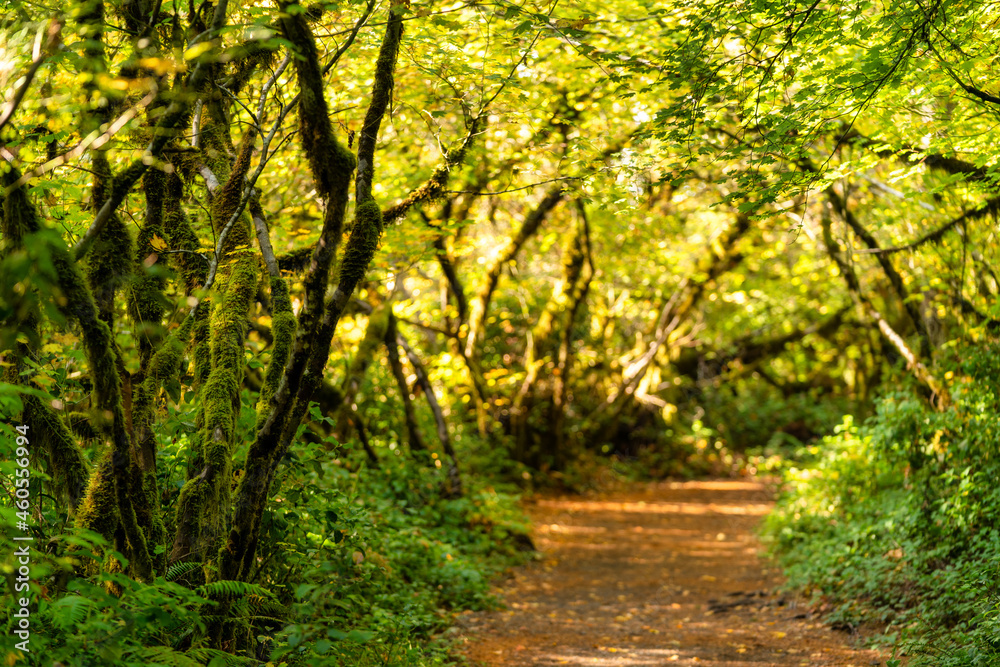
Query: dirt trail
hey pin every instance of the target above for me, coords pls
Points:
(665, 575)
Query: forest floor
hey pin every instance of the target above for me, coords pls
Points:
(663, 574)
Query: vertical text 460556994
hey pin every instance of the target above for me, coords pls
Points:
(22, 493)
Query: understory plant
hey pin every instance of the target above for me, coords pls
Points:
(358, 565)
(895, 521)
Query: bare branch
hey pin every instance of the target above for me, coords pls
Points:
(39, 54)
(991, 206)
(94, 140)
(263, 237)
(482, 193)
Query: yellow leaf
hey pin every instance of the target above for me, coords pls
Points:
(159, 65)
(157, 242)
(197, 50)
(43, 381)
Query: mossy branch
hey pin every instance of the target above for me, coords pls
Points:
(434, 186)
(332, 166)
(283, 327)
(98, 344)
(236, 557)
(385, 66)
(530, 225)
(163, 134)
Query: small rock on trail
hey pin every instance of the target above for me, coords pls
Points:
(668, 574)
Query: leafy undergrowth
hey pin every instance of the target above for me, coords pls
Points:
(408, 558)
(897, 521)
(357, 566)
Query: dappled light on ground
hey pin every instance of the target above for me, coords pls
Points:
(641, 507)
(665, 574)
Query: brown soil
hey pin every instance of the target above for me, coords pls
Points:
(669, 574)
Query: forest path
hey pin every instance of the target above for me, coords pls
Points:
(663, 574)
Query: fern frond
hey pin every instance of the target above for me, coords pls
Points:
(206, 655)
(266, 606)
(178, 570)
(71, 610)
(228, 589)
(164, 656)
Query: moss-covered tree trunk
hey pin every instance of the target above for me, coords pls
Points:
(109, 506)
(67, 465)
(542, 352)
(202, 509)
(331, 165)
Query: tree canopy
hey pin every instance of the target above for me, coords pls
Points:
(262, 263)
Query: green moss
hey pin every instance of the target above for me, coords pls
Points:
(167, 360)
(178, 233)
(283, 328)
(296, 260)
(228, 333)
(330, 162)
(250, 57)
(99, 510)
(362, 244)
(216, 142)
(217, 397)
(67, 465)
(281, 301)
(146, 302)
(219, 364)
(190, 520)
(202, 344)
(110, 265)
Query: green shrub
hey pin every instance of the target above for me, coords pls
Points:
(896, 520)
(356, 566)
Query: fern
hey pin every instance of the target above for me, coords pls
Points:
(266, 606)
(164, 656)
(229, 589)
(206, 655)
(70, 611)
(178, 570)
(253, 618)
